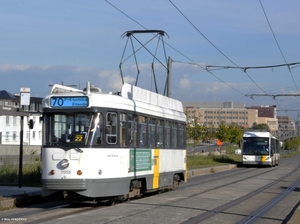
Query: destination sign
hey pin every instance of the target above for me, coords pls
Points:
(78, 101)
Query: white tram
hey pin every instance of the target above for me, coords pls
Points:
(260, 148)
(111, 146)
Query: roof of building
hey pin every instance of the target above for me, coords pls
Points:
(231, 105)
(6, 95)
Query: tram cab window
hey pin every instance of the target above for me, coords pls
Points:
(96, 130)
(111, 128)
(65, 128)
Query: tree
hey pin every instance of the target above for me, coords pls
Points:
(223, 133)
(209, 133)
(194, 130)
(235, 133)
(261, 127)
(231, 133)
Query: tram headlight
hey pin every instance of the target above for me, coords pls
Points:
(64, 163)
(52, 172)
(79, 172)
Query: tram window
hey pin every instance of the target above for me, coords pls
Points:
(167, 134)
(143, 131)
(174, 135)
(180, 136)
(111, 128)
(123, 129)
(151, 132)
(159, 133)
(132, 130)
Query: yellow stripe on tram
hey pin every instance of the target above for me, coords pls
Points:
(186, 170)
(156, 169)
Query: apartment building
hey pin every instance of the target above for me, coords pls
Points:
(286, 126)
(12, 115)
(214, 113)
(267, 115)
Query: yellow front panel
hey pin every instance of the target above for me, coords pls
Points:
(263, 158)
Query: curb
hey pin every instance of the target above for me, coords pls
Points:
(20, 201)
(215, 169)
(7, 203)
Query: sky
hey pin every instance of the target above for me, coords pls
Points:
(222, 50)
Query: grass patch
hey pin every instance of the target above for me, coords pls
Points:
(226, 156)
(202, 161)
(31, 173)
(290, 153)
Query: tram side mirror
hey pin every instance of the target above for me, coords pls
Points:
(31, 124)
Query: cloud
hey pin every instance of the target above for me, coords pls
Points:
(7, 67)
(184, 83)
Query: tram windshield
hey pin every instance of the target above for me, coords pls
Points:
(74, 128)
(256, 146)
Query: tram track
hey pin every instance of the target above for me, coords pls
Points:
(229, 176)
(258, 213)
(85, 207)
(41, 215)
(46, 211)
(71, 208)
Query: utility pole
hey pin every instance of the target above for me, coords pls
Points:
(21, 153)
(24, 101)
(169, 77)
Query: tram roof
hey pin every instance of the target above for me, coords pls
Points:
(130, 98)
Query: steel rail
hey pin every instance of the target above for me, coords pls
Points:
(212, 212)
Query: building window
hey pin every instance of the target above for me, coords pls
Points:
(14, 135)
(7, 135)
(33, 135)
(14, 121)
(7, 120)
